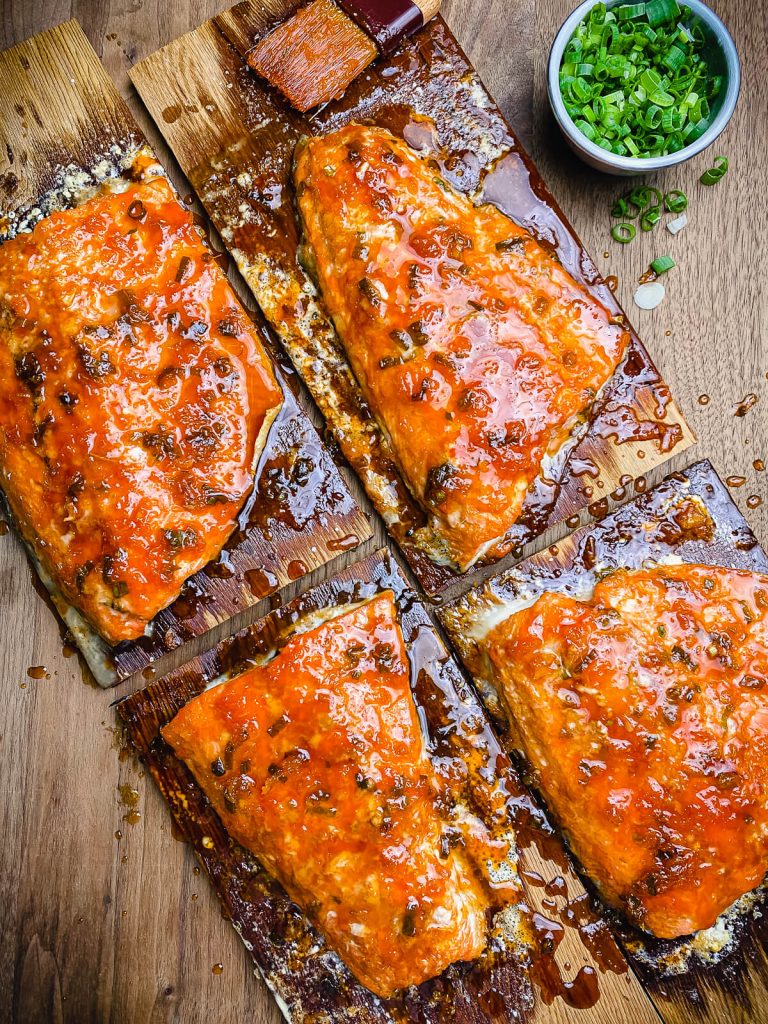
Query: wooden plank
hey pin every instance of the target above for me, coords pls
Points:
(130, 935)
(234, 138)
(300, 513)
(59, 110)
(494, 988)
(686, 986)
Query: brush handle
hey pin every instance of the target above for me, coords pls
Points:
(388, 22)
(429, 8)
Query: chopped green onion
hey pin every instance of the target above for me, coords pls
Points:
(636, 79)
(623, 233)
(662, 98)
(654, 141)
(650, 218)
(671, 121)
(629, 11)
(715, 85)
(662, 264)
(652, 116)
(644, 195)
(647, 203)
(624, 208)
(660, 11)
(586, 129)
(695, 131)
(714, 174)
(675, 201)
(674, 58)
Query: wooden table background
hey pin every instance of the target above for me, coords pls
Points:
(103, 919)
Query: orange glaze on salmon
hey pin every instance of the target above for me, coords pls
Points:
(644, 712)
(475, 349)
(135, 396)
(316, 763)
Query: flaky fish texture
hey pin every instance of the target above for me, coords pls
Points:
(475, 349)
(644, 712)
(316, 762)
(135, 396)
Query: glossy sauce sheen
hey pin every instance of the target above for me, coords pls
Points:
(474, 347)
(316, 763)
(134, 402)
(644, 713)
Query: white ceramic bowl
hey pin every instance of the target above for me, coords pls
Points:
(611, 163)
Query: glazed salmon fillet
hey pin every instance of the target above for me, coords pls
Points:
(475, 349)
(316, 763)
(644, 713)
(135, 398)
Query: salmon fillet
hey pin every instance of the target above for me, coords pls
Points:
(475, 349)
(316, 763)
(644, 712)
(135, 399)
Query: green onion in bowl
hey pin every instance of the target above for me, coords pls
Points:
(641, 80)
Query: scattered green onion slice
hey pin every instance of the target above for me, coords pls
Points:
(675, 201)
(624, 209)
(662, 264)
(648, 203)
(714, 174)
(635, 79)
(623, 233)
(650, 218)
(645, 195)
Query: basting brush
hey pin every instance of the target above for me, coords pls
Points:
(316, 53)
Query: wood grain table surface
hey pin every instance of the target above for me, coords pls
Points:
(103, 915)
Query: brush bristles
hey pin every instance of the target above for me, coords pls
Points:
(313, 56)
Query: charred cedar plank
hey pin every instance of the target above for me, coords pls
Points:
(60, 110)
(479, 992)
(734, 989)
(234, 139)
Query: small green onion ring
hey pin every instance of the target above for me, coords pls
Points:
(629, 11)
(645, 195)
(625, 209)
(715, 173)
(650, 218)
(623, 233)
(659, 11)
(675, 201)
